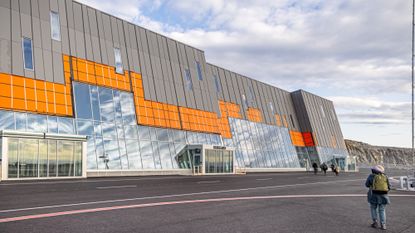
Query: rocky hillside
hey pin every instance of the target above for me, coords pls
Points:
(369, 155)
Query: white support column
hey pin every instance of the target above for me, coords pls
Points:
(5, 158)
(84, 155)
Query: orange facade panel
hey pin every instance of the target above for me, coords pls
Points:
(297, 138)
(278, 120)
(254, 115)
(98, 74)
(36, 96)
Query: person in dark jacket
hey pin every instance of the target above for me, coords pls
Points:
(315, 168)
(324, 168)
(378, 199)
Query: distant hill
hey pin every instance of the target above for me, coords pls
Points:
(367, 154)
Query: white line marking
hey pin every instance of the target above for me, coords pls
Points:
(135, 179)
(176, 195)
(264, 179)
(94, 210)
(118, 187)
(209, 182)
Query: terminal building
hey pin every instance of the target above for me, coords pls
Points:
(84, 93)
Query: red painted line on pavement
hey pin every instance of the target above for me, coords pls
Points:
(93, 210)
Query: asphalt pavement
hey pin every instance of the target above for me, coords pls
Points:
(259, 202)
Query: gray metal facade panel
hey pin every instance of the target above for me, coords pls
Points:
(44, 9)
(123, 47)
(102, 41)
(256, 92)
(172, 47)
(128, 47)
(215, 71)
(56, 46)
(15, 5)
(235, 87)
(62, 13)
(181, 96)
(5, 4)
(16, 29)
(229, 83)
(114, 31)
(38, 62)
(268, 98)
(160, 90)
(264, 102)
(80, 44)
(69, 14)
(65, 40)
(46, 37)
(17, 58)
(58, 76)
(134, 51)
(87, 34)
(5, 39)
(34, 4)
(47, 64)
(224, 85)
(5, 56)
(26, 22)
(24, 6)
(53, 5)
(198, 98)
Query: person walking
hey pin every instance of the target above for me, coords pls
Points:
(324, 168)
(377, 196)
(315, 168)
(335, 169)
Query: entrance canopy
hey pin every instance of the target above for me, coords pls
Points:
(207, 159)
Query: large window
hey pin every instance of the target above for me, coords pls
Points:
(118, 61)
(27, 53)
(55, 26)
(217, 83)
(82, 101)
(189, 83)
(271, 107)
(199, 71)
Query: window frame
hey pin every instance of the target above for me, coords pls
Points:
(188, 78)
(217, 83)
(31, 53)
(199, 71)
(117, 54)
(58, 26)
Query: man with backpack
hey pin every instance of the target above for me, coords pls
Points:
(324, 168)
(377, 196)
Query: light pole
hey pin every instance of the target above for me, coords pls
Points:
(412, 139)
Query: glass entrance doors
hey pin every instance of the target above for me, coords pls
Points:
(42, 155)
(218, 161)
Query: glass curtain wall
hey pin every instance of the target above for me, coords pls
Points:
(33, 158)
(115, 141)
(262, 146)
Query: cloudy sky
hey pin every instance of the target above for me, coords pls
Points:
(356, 53)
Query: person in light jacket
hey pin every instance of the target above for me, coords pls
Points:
(377, 196)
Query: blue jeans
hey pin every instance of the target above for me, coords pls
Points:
(374, 209)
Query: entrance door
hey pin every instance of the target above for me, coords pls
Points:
(218, 161)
